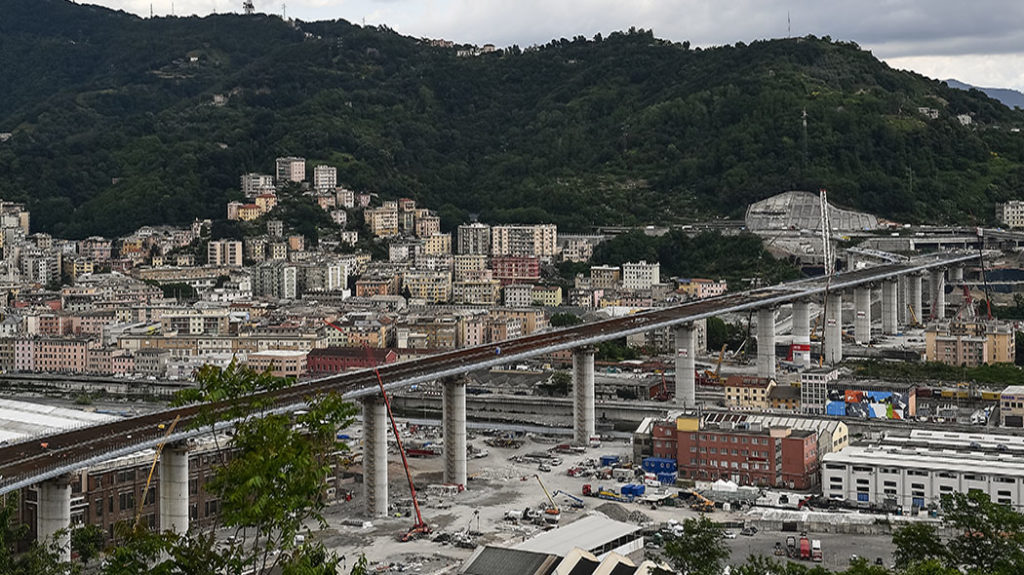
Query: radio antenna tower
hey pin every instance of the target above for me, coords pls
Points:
(248, 8)
(284, 11)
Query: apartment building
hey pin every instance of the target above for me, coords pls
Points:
(516, 269)
(291, 169)
(970, 343)
(325, 177)
(539, 240)
(640, 275)
(224, 253)
(474, 239)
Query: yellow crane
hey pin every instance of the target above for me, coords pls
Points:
(552, 513)
(152, 468)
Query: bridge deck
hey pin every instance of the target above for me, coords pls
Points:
(27, 462)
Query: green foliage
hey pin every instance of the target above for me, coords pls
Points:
(995, 374)
(565, 319)
(708, 255)
(989, 537)
(700, 549)
(116, 127)
(917, 543)
(559, 384)
(615, 350)
(87, 541)
(270, 488)
(720, 333)
(39, 559)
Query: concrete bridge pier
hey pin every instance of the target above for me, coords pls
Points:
(862, 321)
(937, 285)
(375, 456)
(584, 420)
(833, 344)
(890, 302)
(454, 430)
(956, 275)
(53, 514)
(766, 343)
(915, 299)
(802, 334)
(173, 488)
(686, 355)
(902, 299)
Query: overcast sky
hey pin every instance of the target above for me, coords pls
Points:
(980, 42)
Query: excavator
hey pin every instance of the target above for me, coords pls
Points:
(420, 528)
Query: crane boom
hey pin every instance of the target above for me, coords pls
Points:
(420, 528)
(152, 468)
(548, 495)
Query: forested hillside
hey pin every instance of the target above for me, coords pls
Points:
(115, 124)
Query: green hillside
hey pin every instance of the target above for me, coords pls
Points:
(115, 126)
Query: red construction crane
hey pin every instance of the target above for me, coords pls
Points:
(420, 527)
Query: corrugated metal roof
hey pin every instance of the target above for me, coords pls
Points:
(22, 419)
(589, 533)
(501, 561)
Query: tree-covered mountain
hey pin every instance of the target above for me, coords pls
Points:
(115, 124)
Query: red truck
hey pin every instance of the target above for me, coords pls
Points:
(805, 547)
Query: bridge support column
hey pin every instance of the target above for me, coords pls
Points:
(375, 456)
(937, 285)
(902, 298)
(801, 334)
(454, 426)
(862, 307)
(956, 275)
(174, 488)
(686, 355)
(833, 343)
(766, 343)
(53, 514)
(584, 422)
(890, 302)
(914, 299)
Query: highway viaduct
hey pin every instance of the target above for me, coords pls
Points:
(29, 463)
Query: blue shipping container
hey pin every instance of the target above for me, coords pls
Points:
(609, 460)
(659, 465)
(667, 478)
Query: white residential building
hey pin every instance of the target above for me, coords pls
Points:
(325, 177)
(640, 275)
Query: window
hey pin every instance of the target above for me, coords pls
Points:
(126, 500)
(890, 484)
(97, 507)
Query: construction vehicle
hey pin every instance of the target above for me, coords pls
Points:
(152, 468)
(420, 528)
(816, 550)
(551, 513)
(715, 377)
(700, 503)
(913, 316)
(791, 551)
(609, 494)
(576, 501)
(805, 547)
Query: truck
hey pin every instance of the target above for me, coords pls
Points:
(805, 547)
(791, 547)
(816, 550)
